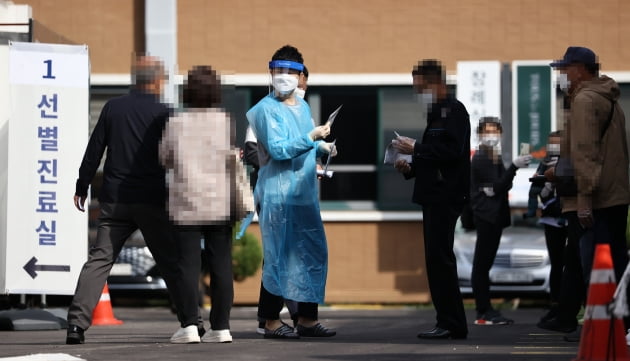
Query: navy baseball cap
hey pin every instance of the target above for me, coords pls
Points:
(576, 55)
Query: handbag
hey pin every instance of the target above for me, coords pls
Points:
(242, 200)
(566, 186)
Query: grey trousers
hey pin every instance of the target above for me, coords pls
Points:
(115, 224)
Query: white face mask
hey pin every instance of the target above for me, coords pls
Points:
(427, 98)
(300, 92)
(490, 140)
(553, 149)
(563, 82)
(284, 84)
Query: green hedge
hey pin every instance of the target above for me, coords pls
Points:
(246, 255)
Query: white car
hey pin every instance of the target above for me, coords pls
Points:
(520, 268)
(135, 270)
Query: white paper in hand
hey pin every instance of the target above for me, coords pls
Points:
(325, 172)
(333, 115)
(392, 155)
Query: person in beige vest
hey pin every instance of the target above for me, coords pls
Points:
(197, 149)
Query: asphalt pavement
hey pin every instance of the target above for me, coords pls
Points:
(366, 333)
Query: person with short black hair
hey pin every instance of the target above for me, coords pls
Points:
(294, 243)
(551, 217)
(490, 182)
(441, 168)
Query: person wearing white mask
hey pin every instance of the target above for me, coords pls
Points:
(287, 201)
(251, 143)
(440, 168)
(300, 91)
(595, 202)
(251, 157)
(490, 182)
(554, 223)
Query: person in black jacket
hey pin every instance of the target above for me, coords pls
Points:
(441, 168)
(551, 217)
(489, 185)
(133, 196)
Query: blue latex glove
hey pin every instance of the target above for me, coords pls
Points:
(245, 222)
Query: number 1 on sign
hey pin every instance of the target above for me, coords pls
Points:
(48, 69)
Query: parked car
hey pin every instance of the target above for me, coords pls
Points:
(521, 267)
(135, 271)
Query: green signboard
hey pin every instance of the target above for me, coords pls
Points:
(534, 106)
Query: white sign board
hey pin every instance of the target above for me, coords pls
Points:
(45, 243)
(479, 89)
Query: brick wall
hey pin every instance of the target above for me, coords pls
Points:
(350, 36)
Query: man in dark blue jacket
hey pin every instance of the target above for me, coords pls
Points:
(133, 196)
(441, 168)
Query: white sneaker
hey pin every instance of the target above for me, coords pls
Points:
(628, 338)
(188, 334)
(217, 336)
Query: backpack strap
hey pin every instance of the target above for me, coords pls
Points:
(613, 103)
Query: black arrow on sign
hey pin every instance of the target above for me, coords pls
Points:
(31, 267)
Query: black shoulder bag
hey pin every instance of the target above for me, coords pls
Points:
(566, 186)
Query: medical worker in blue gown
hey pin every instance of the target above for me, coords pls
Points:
(286, 195)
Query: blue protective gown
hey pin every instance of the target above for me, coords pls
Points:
(294, 244)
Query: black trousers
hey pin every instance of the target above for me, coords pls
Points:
(556, 240)
(573, 289)
(270, 306)
(439, 231)
(116, 223)
(292, 306)
(488, 239)
(609, 228)
(218, 254)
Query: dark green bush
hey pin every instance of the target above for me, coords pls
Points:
(246, 256)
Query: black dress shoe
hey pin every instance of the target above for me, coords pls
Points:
(75, 335)
(438, 333)
(556, 325)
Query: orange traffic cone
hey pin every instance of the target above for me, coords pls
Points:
(603, 337)
(103, 313)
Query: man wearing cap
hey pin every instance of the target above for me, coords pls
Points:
(595, 143)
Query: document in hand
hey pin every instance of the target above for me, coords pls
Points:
(333, 115)
(392, 155)
(325, 172)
